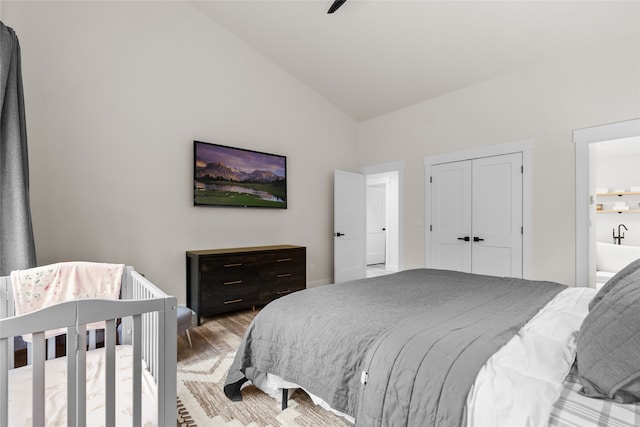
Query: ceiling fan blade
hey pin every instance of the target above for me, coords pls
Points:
(336, 5)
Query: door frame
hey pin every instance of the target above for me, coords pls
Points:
(398, 167)
(525, 147)
(582, 138)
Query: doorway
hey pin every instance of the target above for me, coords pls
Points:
(587, 199)
(614, 171)
(384, 181)
(382, 223)
(350, 220)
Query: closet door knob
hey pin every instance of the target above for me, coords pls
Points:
(465, 238)
(477, 239)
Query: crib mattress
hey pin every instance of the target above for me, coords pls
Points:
(56, 391)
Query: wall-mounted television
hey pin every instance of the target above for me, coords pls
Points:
(228, 176)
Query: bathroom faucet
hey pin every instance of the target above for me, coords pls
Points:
(620, 235)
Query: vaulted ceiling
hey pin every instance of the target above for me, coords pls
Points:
(373, 57)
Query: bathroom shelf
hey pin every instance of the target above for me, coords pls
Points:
(623, 193)
(634, 208)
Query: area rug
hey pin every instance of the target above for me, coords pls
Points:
(201, 402)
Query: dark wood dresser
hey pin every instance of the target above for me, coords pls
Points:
(221, 280)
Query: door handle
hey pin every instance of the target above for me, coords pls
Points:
(477, 239)
(465, 238)
(338, 234)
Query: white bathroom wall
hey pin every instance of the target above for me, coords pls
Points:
(116, 92)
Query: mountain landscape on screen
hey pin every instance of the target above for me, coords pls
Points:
(227, 176)
(221, 172)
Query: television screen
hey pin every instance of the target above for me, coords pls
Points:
(227, 176)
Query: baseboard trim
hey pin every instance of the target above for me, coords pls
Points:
(317, 283)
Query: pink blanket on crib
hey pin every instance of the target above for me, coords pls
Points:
(48, 285)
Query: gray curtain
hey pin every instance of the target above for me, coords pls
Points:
(17, 249)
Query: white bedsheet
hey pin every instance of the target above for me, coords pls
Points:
(520, 383)
(273, 386)
(56, 391)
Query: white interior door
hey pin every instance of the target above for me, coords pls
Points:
(497, 215)
(451, 216)
(477, 215)
(349, 241)
(376, 224)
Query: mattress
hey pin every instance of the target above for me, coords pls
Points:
(56, 391)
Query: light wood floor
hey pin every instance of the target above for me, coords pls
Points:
(222, 335)
(216, 336)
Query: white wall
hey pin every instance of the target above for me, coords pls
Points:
(115, 94)
(544, 103)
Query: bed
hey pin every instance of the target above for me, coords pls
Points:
(435, 347)
(132, 382)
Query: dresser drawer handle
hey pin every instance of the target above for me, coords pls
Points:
(284, 275)
(286, 291)
(235, 282)
(233, 301)
(237, 264)
(284, 259)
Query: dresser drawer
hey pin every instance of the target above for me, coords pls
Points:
(224, 279)
(232, 263)
(282, 285)
(225, 283)
(283, 279)
(283, 259)
(216, 300)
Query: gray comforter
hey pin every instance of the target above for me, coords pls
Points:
(417, 338)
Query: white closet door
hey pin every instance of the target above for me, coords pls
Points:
(451, 216)
(477, 215)
(497, 215)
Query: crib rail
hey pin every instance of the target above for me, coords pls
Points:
(60, 316)
(159, 350)
(148, 317)
(7, 310)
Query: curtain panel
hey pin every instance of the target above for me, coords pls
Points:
(17, 248)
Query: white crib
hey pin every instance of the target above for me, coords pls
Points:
(148, 319)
